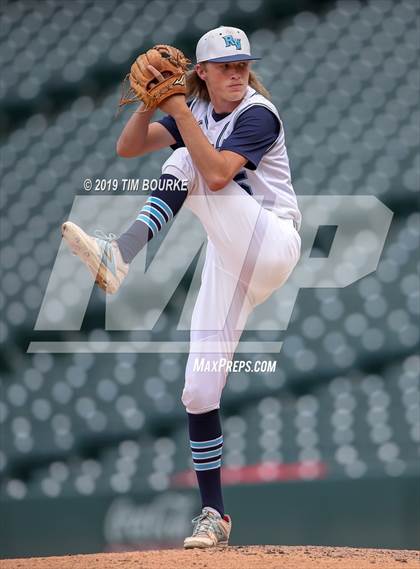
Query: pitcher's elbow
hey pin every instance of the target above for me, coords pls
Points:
(125, 151)
(216, 183)
(122, 151)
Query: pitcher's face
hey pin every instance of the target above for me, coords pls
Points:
(225, 81)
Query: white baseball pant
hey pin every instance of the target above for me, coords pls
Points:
(250, 253)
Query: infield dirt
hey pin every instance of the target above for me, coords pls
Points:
(233, 557)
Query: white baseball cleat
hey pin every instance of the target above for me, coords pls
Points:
(210, 530)
(100, 254)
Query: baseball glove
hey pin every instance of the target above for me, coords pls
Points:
(171, 65)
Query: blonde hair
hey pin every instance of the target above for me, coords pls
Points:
(196, 87)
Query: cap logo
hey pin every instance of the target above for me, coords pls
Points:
(230, 40)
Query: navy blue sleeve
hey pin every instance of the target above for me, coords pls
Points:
(170, 124)
(256, 129)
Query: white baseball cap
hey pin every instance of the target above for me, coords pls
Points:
(224, 44)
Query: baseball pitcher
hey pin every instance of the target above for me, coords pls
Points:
(230, 167)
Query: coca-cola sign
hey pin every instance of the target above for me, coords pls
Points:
(167, 517)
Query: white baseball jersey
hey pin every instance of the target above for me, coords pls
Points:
(271, 179)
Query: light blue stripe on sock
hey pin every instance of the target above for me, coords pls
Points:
(208, 454)
(162, 204)
(208, 465)
(153, 211)
(149, 222)
(197, 445)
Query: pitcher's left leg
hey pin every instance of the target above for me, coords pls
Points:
(205, 378)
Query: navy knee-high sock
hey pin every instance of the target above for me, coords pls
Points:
(160, 208)
(206, 441)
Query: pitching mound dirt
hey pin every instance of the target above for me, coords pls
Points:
(239, 557)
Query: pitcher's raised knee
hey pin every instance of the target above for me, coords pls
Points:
(197, 400)
(180, 165)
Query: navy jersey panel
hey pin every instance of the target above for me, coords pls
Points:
(170, 124)
(256, 129)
